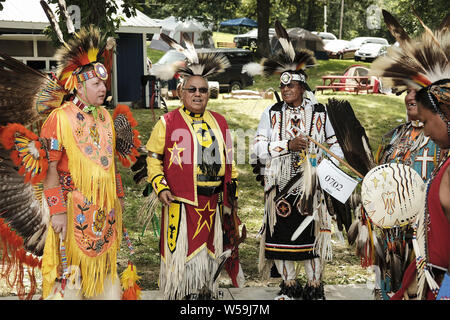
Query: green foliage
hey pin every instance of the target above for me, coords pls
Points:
(202, 10)
(101, 13)
(308, 14)
(432, 12)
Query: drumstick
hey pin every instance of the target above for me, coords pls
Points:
(335, 156)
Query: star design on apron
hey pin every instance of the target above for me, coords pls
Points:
(175, 155)
(206, 216)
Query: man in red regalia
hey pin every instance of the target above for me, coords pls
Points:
(191, 169)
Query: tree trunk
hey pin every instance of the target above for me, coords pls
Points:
(341, 19)
(295, 20)
(311, 20)
(263, 10)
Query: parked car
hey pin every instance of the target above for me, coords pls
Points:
(232, 78)
(370, 51)
(326, 36)
(250, 38)
(334, 47)
(356, 43)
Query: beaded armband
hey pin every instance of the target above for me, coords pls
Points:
(55, 200)
(159, 184)
(119, 186)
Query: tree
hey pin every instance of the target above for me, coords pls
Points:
(101, 13)
(432, 12)
(263, 10)
(205, 11)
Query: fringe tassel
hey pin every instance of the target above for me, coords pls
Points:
(172, 273)
(264, 264)
(270, 210)
(423, 273)
(218, 240)
(179, 276)
(322, 244)
(148, 209)
(94, 182)
(14, 258)
(95, 267)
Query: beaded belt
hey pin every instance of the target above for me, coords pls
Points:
(209, 191)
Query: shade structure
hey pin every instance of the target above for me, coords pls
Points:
(301, 38)
(239, 22)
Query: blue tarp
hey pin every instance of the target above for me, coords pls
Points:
(241, 22)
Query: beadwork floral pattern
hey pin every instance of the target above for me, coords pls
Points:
(94, 138)
(94, 228)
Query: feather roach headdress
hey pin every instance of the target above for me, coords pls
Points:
(289, 62)
(85, 47)
(416, 63)
(196, 63)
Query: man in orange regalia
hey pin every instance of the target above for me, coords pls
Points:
(80, 186)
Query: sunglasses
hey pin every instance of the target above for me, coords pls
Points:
(289, 85)
(202, 90)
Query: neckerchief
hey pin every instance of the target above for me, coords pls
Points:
(192, 114)
(86, 108)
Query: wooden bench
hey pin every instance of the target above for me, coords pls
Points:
(352, 87)
(226, 44)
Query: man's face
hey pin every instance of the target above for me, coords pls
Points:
(292, 93)
(194, 100)
(92, 91)
(434, 126)
(411, 105)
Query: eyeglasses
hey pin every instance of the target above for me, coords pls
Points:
(202, 90)
(289, 85)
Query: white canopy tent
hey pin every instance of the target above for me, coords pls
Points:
(175, 29)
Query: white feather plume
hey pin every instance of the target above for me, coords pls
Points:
(164, 71)
(253, 69)
(287, 47)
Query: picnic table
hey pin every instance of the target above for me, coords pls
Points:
(340, 83)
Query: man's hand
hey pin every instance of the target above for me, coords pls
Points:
(166, 197)
(59, 224)
(298, 143)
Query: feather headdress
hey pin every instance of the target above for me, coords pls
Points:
(85, 47)
(204, 64)
(287, 60)
(418, 62)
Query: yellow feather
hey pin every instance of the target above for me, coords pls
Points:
(92, 54)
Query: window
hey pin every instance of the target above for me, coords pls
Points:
(45, 49)
(17, 48)
(36, 64)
